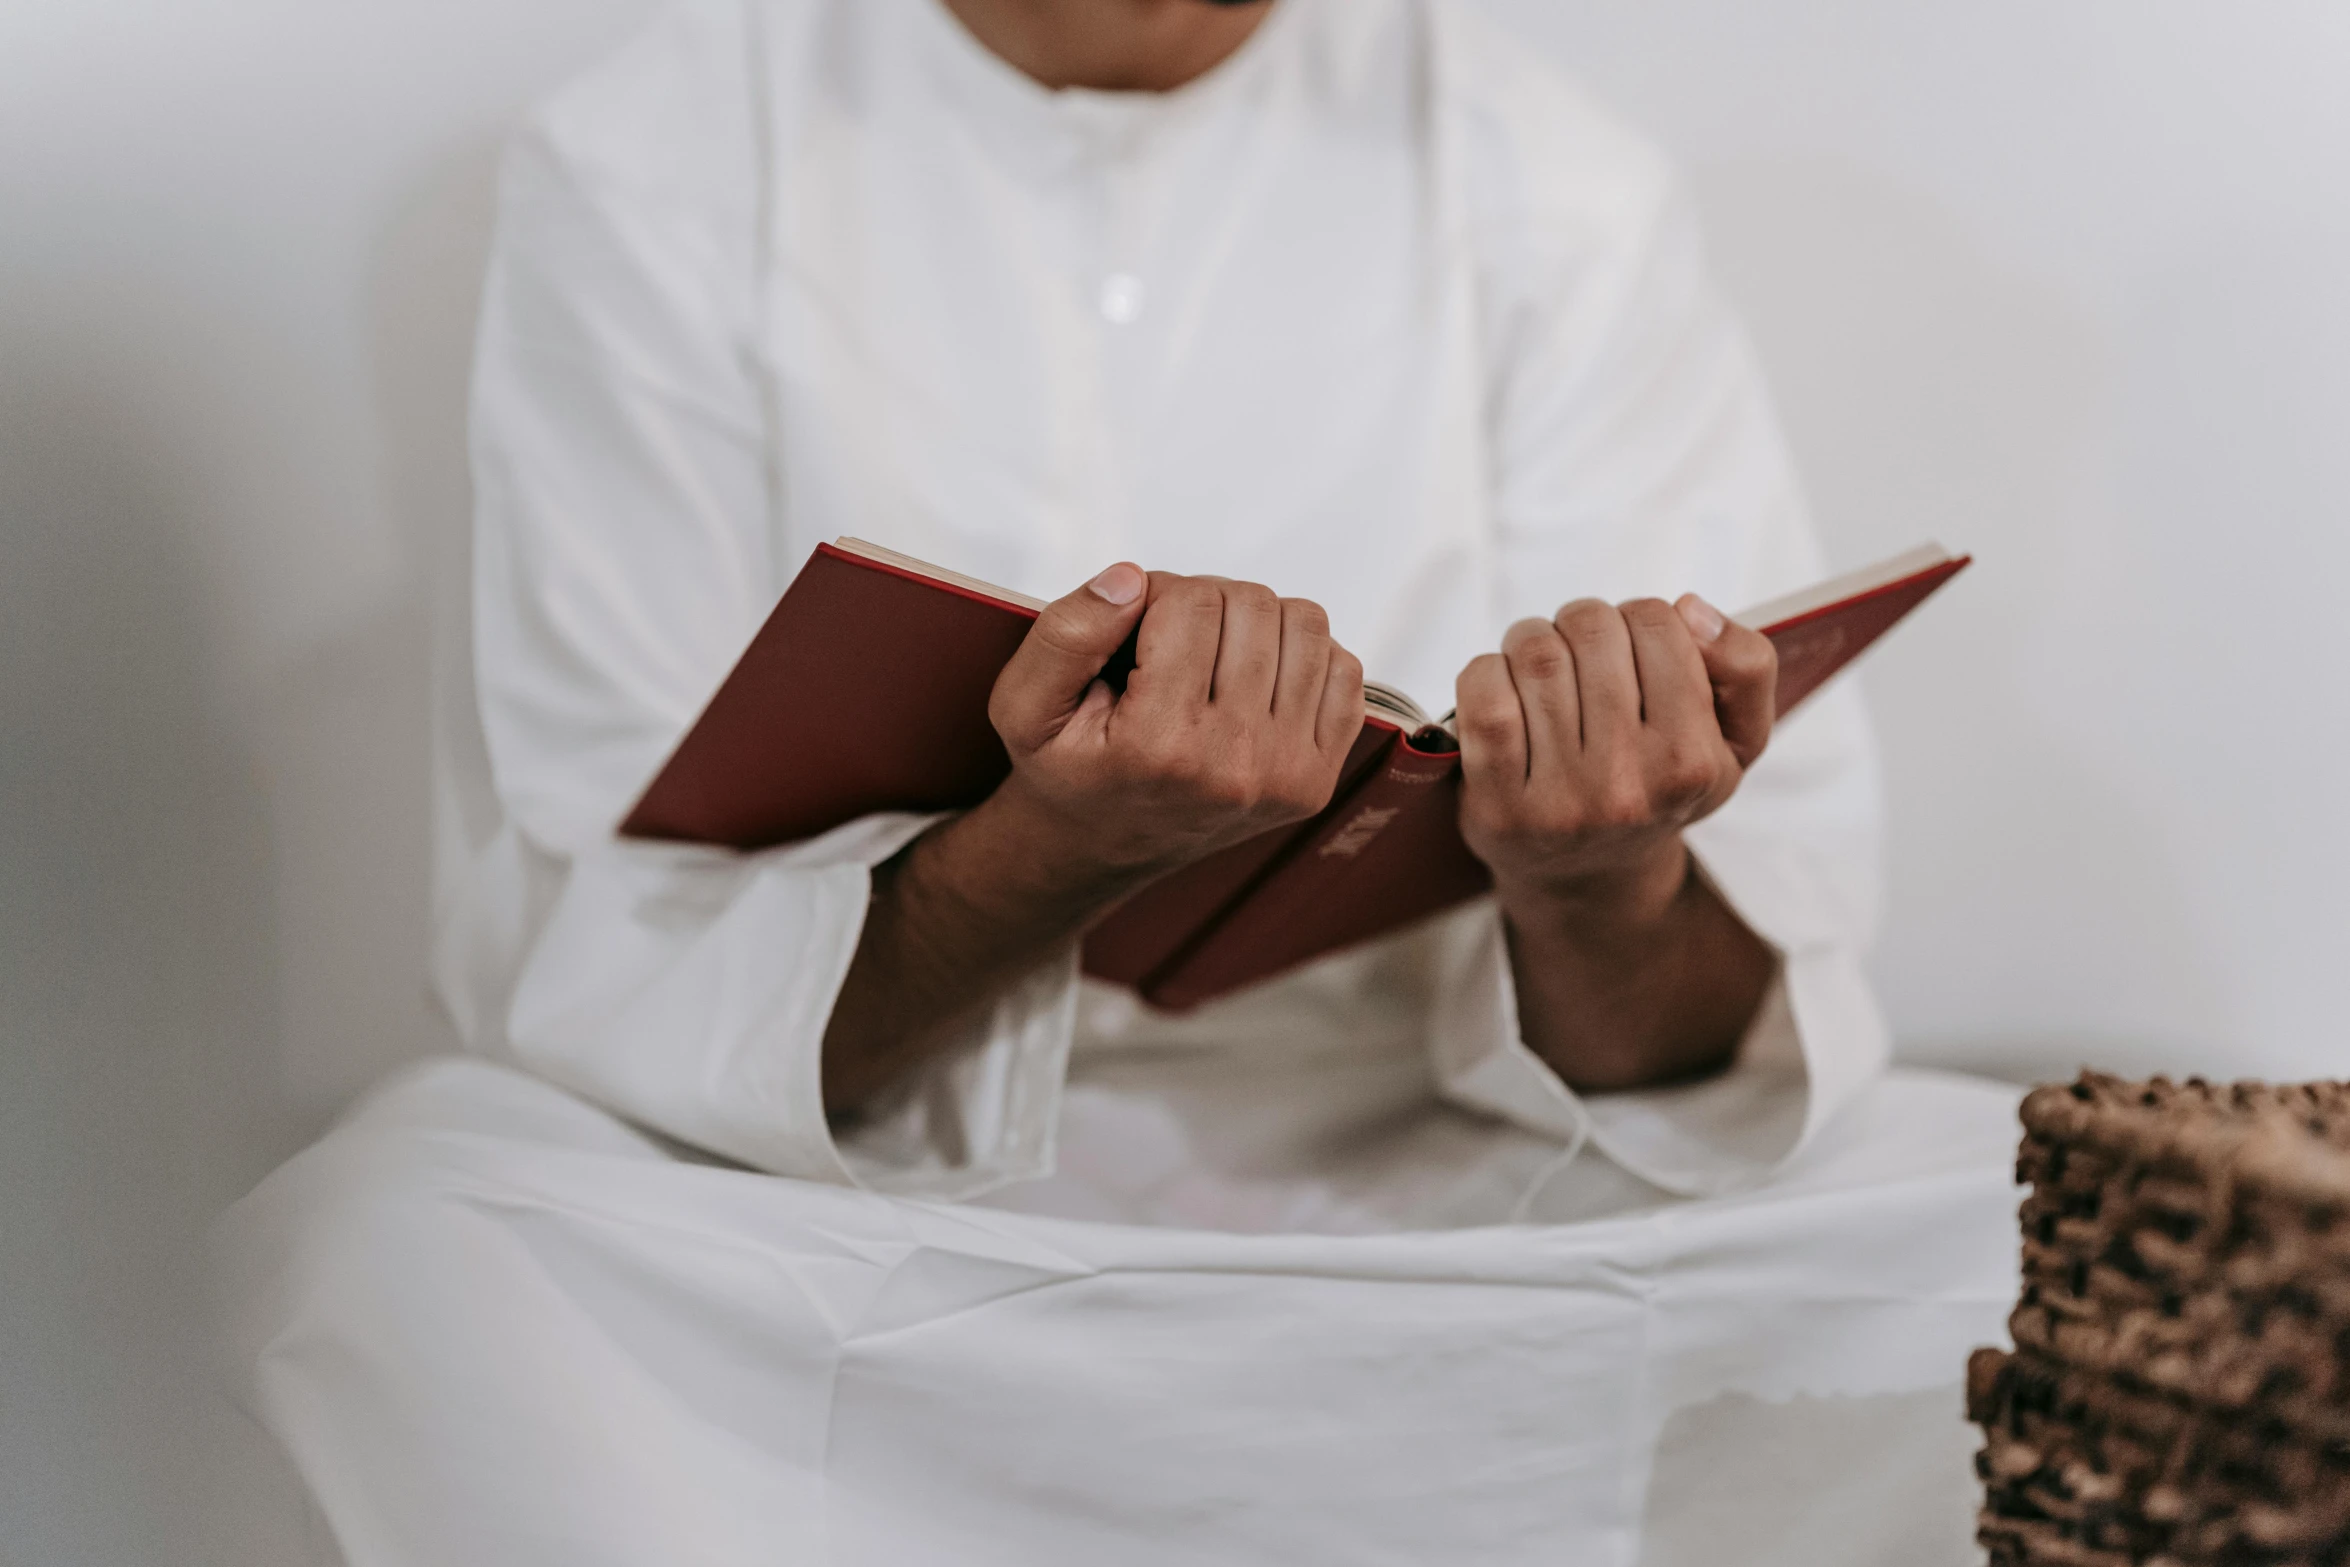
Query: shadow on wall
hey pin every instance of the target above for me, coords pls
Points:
(426, 298)
(358, 711)
(212, 909)
(1928, 393)
(138, 958)
(356, 714)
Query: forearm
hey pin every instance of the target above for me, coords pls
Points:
(1634, 984)
(956, 919)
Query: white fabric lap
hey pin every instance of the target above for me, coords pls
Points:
(495, 1326)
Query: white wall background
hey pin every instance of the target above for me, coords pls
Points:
(2066, 285)
(2069, 286)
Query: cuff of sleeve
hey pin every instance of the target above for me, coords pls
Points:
(1735, 1129)
(1815, 1040)
(980, 1117)
(1480, 1060)
(689, 990)
(984, 1115)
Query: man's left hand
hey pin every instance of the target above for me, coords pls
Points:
(1593, 738)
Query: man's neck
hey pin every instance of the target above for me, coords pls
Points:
(1111, 45)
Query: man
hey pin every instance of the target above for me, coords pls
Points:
(1346, 298)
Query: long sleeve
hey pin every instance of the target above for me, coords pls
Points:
(626, 547)
(1635, 453)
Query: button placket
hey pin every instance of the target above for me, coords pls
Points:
(1115, 133)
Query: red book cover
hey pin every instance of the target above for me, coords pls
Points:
(866, 690)
(1821, 629)
(836, 711)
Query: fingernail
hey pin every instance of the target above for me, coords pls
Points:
(1705, 621)
(1121, 584)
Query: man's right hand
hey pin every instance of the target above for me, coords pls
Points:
(1236, 719)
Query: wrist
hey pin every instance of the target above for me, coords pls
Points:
(1618, 898)
(1017, 840)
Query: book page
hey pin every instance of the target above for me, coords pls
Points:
(922, 568)
(1850, 585)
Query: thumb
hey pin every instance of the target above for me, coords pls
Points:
(1744, 670)
(1071, 642)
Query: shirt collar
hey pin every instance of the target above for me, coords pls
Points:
(1000, 96)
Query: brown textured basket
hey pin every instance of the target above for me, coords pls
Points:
(2180, 1390)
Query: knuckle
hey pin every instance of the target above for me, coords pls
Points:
(1521, 631)
(1543, 660)
(1061, 628)
(1653, 615)
(1622, 803)
(1588, 621)
(1491, 724)
(1533, 650)
(1745, 652)
(1344, 678)
(1481, 681)
(1646, 609)
(1193, 595)
(1233, 787)
(1252, 598)
(1688, 773)
(1306, 616)
(1482, 671)
(1258, 662)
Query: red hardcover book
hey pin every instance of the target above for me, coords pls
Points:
(835, 711)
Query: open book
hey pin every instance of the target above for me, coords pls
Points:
(866, 690)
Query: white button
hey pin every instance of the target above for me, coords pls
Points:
(1121, 298)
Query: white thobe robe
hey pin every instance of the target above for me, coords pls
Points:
(1378, 312)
